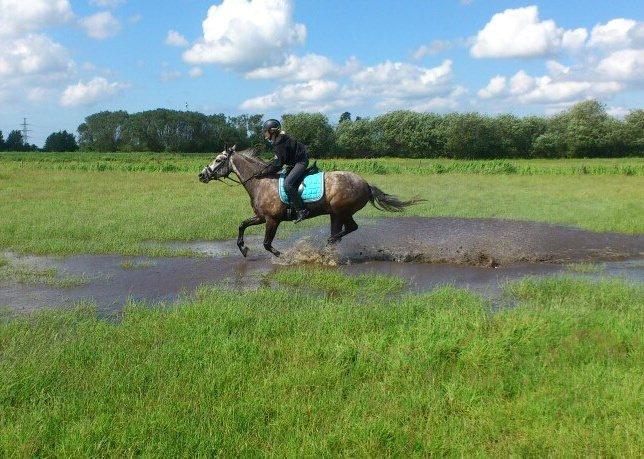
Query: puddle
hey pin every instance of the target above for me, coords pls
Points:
(480, 255)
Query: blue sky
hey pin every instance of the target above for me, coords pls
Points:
(61, 60)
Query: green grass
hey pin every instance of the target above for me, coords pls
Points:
(284, 372)
(49, 204)
(177, 162)
(23, 274)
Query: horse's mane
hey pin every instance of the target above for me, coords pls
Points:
(251, 155)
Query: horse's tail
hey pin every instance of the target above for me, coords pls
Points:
(390, 203)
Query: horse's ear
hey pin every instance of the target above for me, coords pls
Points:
(233, 148)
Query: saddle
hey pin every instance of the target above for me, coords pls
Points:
(311, 189)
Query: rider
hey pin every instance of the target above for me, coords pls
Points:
(288, 152)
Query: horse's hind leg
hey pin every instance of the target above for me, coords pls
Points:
(242, 227)
(269, 235)
(350, 226)
(336, 227)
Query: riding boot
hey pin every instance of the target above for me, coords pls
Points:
(298, 206)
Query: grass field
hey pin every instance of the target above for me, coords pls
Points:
(333, 369)
(111, 203)
(324, 364)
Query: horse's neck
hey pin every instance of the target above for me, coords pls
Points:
(245, 169)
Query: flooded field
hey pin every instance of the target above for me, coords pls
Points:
(480, 255)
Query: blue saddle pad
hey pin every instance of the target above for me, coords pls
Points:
(311, 190)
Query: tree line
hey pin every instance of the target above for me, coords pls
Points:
(584, 130)
(56, 141)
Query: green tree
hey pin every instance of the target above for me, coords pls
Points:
(103, 131)
(60, 141)
(469, 135)
(587, 129)
(312, 129)
(355, 138)
(14, 141)
(407, 134)
(634, 132)
(346, 116)
(2, 147)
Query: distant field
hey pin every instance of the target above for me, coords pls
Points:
(110, 203)
(329, 365)
(164, 162)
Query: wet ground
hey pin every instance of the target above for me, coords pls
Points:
(428, 252)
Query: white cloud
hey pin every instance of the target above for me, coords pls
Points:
(625, 64)
(383, 86)
(312, 95)
(106, 3)
(526, 89)
(397, 79)
(618, 112)
(295, 68)
(91, 92)
(494, 88)
(34, 55)
(574, 39)
(174, 38)
(101, 25)
(170, 75)
(195, 72)
(616, 33)
(555, 68)
(431, 49)
(244, 35)
(520, 33)
(21, 16)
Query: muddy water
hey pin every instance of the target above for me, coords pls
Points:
(477, 254)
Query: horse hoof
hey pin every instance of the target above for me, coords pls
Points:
(332, 240)
(244, 251)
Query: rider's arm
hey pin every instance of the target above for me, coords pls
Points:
(271, 168)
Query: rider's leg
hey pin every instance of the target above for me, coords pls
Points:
(291, 184)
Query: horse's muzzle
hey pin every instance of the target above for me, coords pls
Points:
(203, 178)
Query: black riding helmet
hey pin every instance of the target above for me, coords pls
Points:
(271, 126)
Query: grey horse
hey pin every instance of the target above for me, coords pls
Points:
(345, 193)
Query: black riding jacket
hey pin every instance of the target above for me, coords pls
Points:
(288, 151)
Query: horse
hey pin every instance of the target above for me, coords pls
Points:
(345, 193)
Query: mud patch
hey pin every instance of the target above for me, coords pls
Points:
(475, 242)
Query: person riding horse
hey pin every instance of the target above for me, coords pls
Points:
(288, 152)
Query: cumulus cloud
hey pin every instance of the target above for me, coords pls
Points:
(174, 38)
(91, 92)
(616, 33)
(520, 33)
(626, 65)
(494, 88)
(546, 89)
(101, 25)
(385, 85)
(295, 68)
(21, 16)
(397, 79)
(246, 34)
(313, 95)
(34, 55)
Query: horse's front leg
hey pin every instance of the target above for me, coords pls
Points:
(242, 227)
(271, 230)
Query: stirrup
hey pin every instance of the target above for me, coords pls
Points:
(301, 215)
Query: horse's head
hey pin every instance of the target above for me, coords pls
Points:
(220, 166)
